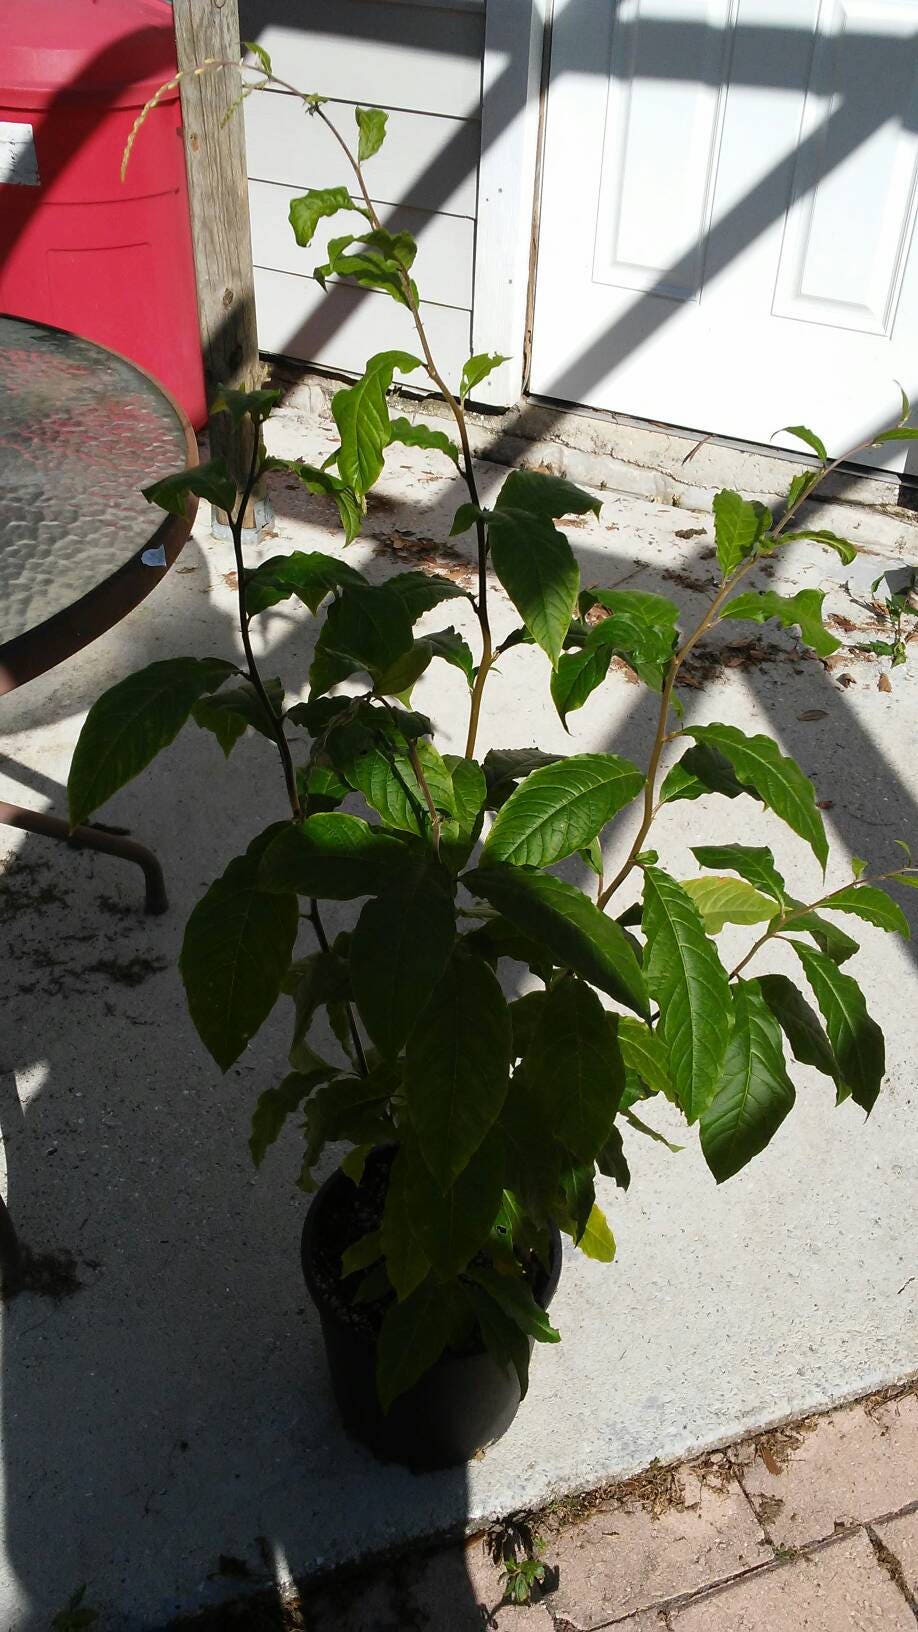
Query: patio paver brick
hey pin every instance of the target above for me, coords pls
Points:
(901, 1537)
(848, 1468)
(625, 1557)
(839, 1588)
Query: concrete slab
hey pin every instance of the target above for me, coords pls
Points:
(840, 1588)
(177, 1409)
(631, 1554)
(846, 1469)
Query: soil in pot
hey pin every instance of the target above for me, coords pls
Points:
(464, 1402)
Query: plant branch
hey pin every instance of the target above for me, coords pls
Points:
(777, 925)
(315, 919)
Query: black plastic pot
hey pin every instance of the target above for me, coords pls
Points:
(463, 1403)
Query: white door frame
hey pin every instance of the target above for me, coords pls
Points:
(511, 78)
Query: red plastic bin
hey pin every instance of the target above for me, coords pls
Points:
(80, 249)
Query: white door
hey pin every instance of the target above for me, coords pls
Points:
(729, 195)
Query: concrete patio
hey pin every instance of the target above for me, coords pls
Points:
(174, 1414)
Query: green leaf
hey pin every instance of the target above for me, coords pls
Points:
(577, 935)
(501, 1336)
(597, 1240)
(400, 949)
(466, 516)
(821, 535)
(230, 712)
(237, 948)
(210, 481)
(310, 576)
(362, 416)
(536, 566)
(803, 610)
(560, 808)
(457, 1065)
(856, 1039)
(371, 122)
(334, 856)
(901, 433)
(380, 262)
(651, 615)
(413, 1335)
(759, 764)
(755, 863)
(275, 1105)
(577, 676)
(513, 1294)
(306, 212)
(503, 767)
(809, 1043)
(321, 979)
(255, 405)
(685, 976)
(407, 1263)
(525, 1014)
(799, 487)
(476, 369)
(388, 783)
(643, 1054)
(728, 901)
(810, 438)
(575, 1067)
(701, 770)
(739, 525)
(871, 904)
(460, 833)
(828, 937)
(449, 644)
(421, 436)
(649, 1132)
(259, 52)
(754, 1093)
(545, 496)
(611, 1160)
(398, 679)
(129, 725)
(363, 1254)
(452, 1225)
(350, 508)
(349, 1108)
(421, 591)
(368, 625)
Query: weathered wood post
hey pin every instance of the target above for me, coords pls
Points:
(219, 201)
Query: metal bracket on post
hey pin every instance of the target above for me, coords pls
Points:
(219, 202)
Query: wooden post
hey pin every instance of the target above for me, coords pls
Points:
(219, 201)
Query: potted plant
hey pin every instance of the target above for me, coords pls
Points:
(476, 1123)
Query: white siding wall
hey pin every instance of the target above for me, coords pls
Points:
(421, 59)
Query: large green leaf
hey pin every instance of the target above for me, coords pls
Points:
(739, 524)
(536, 566)
(422, 436)
(371, 122)
(368, 625)
(560, 808)
(407, 1264)
(576, 934)
(420, 591)
(228, 713)
(754, 1093)
(457, 1065)
(413, 1335)
(577, 676)
(873, 905)
(236, 951)
(686, 977)
(452, 1225)
(399, 950)
(504, 767)
(701, 770)
(856, 1039)
(129, 724)
(809, 1043)
(362, 417)
(387, 781)
(333, 856)
(755, 863)
(549, 497)
(803, 610)
(575, 1066)
(210, 481)
(306, 212)
(310, 575)
(728, 901)
(760, 766)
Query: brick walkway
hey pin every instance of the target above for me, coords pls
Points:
(812, 1528)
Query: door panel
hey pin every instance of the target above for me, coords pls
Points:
(728, 214)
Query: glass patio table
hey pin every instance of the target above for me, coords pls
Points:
(81, 432)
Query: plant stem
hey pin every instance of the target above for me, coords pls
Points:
(777, 925)
(315, 919)
(433, 812)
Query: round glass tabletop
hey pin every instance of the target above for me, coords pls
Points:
(81, 432)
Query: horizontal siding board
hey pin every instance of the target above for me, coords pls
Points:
(420, 57)
(341, 329)
(427, 161)
(446, 243)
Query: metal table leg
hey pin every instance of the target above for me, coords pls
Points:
(94, 838)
